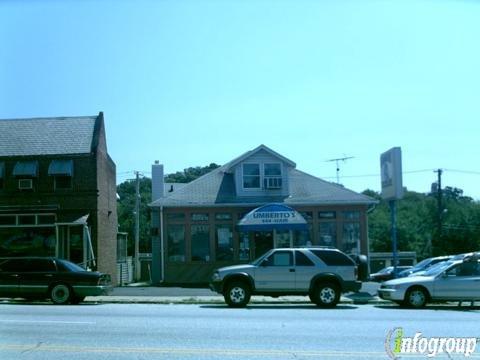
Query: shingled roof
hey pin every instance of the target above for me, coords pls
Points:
(217, 188)
(47, 136)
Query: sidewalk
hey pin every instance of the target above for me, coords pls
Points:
(135, 294)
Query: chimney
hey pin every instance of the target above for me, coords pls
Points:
(157, 181)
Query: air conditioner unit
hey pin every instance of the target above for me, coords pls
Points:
(273, 182)
(25, 184)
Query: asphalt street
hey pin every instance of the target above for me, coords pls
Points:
(140, 331)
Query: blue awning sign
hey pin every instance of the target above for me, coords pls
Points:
(272, 217)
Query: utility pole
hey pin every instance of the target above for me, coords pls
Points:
(439, 206)
(338, 165)
(137, 226)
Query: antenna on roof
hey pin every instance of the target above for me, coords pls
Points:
(338, 165)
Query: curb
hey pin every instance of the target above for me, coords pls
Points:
(218, 300)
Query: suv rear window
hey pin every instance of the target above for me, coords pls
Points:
(333, 258)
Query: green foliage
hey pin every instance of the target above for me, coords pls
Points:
(126, 212)
(418, 218)
(190, 174)
(126, 204)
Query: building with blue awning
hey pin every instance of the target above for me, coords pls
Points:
(237, 212)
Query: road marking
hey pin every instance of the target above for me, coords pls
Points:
(241, 353)
(49, 322)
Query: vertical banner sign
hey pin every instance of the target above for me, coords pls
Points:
(391, 174)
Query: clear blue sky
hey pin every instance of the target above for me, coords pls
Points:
(195, 82)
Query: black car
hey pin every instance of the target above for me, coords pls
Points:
(50, 278)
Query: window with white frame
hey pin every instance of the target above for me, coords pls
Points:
(272, 178)
(251, 176)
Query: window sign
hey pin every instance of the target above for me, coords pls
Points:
(223, 216)
(200, 217)
(327, 215)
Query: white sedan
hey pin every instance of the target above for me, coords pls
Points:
(450, 281)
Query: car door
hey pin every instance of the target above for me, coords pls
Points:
(276, 272)
(304, 271)
(36, 277)
(460, 282)
(9, 275)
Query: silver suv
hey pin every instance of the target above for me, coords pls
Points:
(321, 273)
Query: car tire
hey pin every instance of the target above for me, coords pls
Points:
(60, 294)
(77, 300)
(416, 297)
(326, 295)
(237, 294)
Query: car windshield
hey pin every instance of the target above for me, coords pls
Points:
(421, 265)
(257, 261)
(437, 268)
(385, 270)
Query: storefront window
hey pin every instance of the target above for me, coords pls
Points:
(176, 243)
(327, 215)
(307, 215)
(27, 241)
(351, 215)
(244, 247)
(251, 176)
(303, 237)
(327, 234)
(200, 243)
(351, 238)
(176, 216)
(199, 217)
(282, 238)
(223, 216)
(224, 242)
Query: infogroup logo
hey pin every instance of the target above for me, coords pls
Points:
(397, 344)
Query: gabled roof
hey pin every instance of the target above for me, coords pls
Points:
(217, 188)
(48, 136)
(250, 153)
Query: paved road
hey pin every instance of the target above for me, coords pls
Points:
(121, 331)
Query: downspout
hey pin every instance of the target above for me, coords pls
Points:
(162, 276)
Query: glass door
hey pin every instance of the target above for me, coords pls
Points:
(283, 238)
(263, 242)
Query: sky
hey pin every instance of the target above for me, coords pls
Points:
(191, 83)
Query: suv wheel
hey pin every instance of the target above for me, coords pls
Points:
(237, 294)
(60, 294)
(416, 298)
(326, 295)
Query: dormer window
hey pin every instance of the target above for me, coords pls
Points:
(251, 176)
(272, 176)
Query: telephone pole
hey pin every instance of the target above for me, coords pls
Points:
(137, 226)
(439, 208)
(338, 165)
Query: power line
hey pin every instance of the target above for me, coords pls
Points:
(463, 171)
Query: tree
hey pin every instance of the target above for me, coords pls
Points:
(190, 174)
(126, 204)
(417, 223)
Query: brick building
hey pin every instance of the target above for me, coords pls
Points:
(58, 190)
